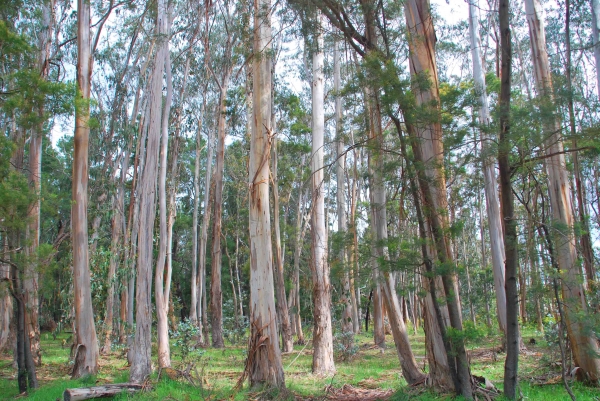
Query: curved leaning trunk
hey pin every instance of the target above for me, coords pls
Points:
(410, 370)
(428, 149)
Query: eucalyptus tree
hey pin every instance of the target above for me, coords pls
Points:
(86, 353)
(142, 346)
(368, 48)
(322, 330)
(347, 315)
(162, 285)
(583, 342)
(489, 172)
(264, 355)
(225, 63)
(428, 149)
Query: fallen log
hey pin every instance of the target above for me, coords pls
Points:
(108, 390)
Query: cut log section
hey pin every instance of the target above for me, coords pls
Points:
(108, 390)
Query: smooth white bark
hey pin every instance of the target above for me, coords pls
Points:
(489, 172)
(266, 367)
(322, 329)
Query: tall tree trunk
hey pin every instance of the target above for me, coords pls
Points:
(264, 355)
(160, 286)
(347, 315)
(30, 278)
(489, 172)
(355, 296)
(141, 362)
(86, 355)
(374, 134)
(583, 343)
(216, 294)
(298, 244)
(282, 306)
(511, 363)
(193, 316)
(322, 329)
(428, 150)
(201, 293)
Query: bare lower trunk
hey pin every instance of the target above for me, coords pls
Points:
(193, 316)
(201, 293)
(282, 306)
(86, 354)
(264, 364)
(355, 295)
(216, 294)
(295, 296)
(322, 329)
(410, 370)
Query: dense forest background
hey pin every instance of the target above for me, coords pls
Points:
(188, 174)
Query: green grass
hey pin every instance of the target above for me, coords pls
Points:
(220, 370)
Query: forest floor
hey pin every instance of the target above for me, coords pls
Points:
(369, 373)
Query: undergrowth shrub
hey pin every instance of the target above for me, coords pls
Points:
(344, 346)
(185, 338)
